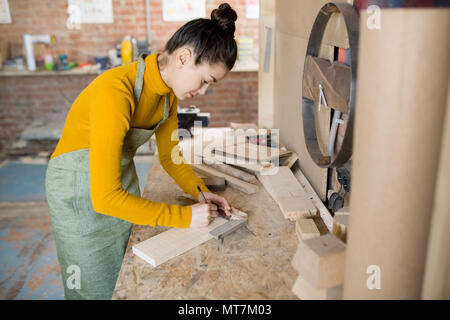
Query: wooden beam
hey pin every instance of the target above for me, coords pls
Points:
(225, 168)
(290, 161)
(288, 193)
(323, 211)
(215, 183)
(231, 181)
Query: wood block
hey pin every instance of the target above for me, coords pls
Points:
(251, 166)
(306, 229)
(340, 227)
(237, 173)
(231, 181)
(215, 183)
(290, 161)
(321, 261)
(303, 290)
(288, 193)
(250, 151)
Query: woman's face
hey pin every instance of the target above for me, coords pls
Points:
(189, 80)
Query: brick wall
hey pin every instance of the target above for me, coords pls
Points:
(24, 99)
(50, 16)
(27, 98)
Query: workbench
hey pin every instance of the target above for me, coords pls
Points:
(247, 265)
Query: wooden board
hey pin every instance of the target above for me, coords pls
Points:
(215, 183)
(251, 151)
(288, 193)
(323, 211)
(247, 177)
(290, 161)
(251, 166)
(172, 243)
(231, 181)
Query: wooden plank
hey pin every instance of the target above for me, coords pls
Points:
(174, 242)
(321, 261)
(323, 211)
(247, 177)
(306, 229)
(215, 183)
(305, 291)
(251, 151)
(290, 161)
(288, 193)
(252, 166)
(231, 181)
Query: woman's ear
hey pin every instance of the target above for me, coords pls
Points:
(183, 57)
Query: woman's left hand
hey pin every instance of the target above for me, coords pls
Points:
(221, 202)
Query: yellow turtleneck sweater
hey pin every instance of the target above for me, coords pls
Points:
(99, 120)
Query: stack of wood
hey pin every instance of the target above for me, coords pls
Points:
(235, 158)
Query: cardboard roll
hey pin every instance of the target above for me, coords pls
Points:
(352, 24)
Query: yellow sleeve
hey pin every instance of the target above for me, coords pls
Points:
(180, 171)
(110, 115)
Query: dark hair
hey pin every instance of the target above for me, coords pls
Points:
(211, 39)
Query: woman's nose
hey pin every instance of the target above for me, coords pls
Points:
(203, 89)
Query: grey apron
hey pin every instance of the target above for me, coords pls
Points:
(90, 246)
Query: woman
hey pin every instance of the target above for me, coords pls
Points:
(91, 184)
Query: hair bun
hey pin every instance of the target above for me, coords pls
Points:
(225, 16)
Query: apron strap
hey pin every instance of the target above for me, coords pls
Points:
(139, 78)
(166, 112)
(138, 89)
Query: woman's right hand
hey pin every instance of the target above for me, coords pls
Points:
(203, 214)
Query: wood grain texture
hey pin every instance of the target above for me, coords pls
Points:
(288, 193)
(173, 242)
